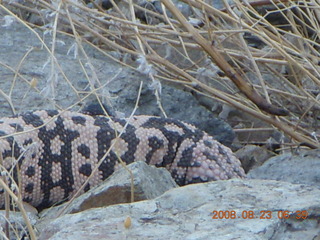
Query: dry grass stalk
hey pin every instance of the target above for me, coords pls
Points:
(122, 32)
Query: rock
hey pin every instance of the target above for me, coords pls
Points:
(252, 156)
(187, 213)
(219, 129)
(302, 168)
(121, 92)
(16, 223)
(148, 181)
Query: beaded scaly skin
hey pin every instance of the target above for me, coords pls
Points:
(57, 151)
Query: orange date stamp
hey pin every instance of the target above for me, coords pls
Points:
(264, 214)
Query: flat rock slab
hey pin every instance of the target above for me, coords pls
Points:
(187, 213)
(301, 168)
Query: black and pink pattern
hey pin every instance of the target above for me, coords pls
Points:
(55, 152)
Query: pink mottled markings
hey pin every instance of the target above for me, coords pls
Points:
(56, 152)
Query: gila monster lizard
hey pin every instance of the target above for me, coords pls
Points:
(56, 151)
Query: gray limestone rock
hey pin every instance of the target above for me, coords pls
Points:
(295, 168)
(243, 209)
(52, 90)
(148, 182)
